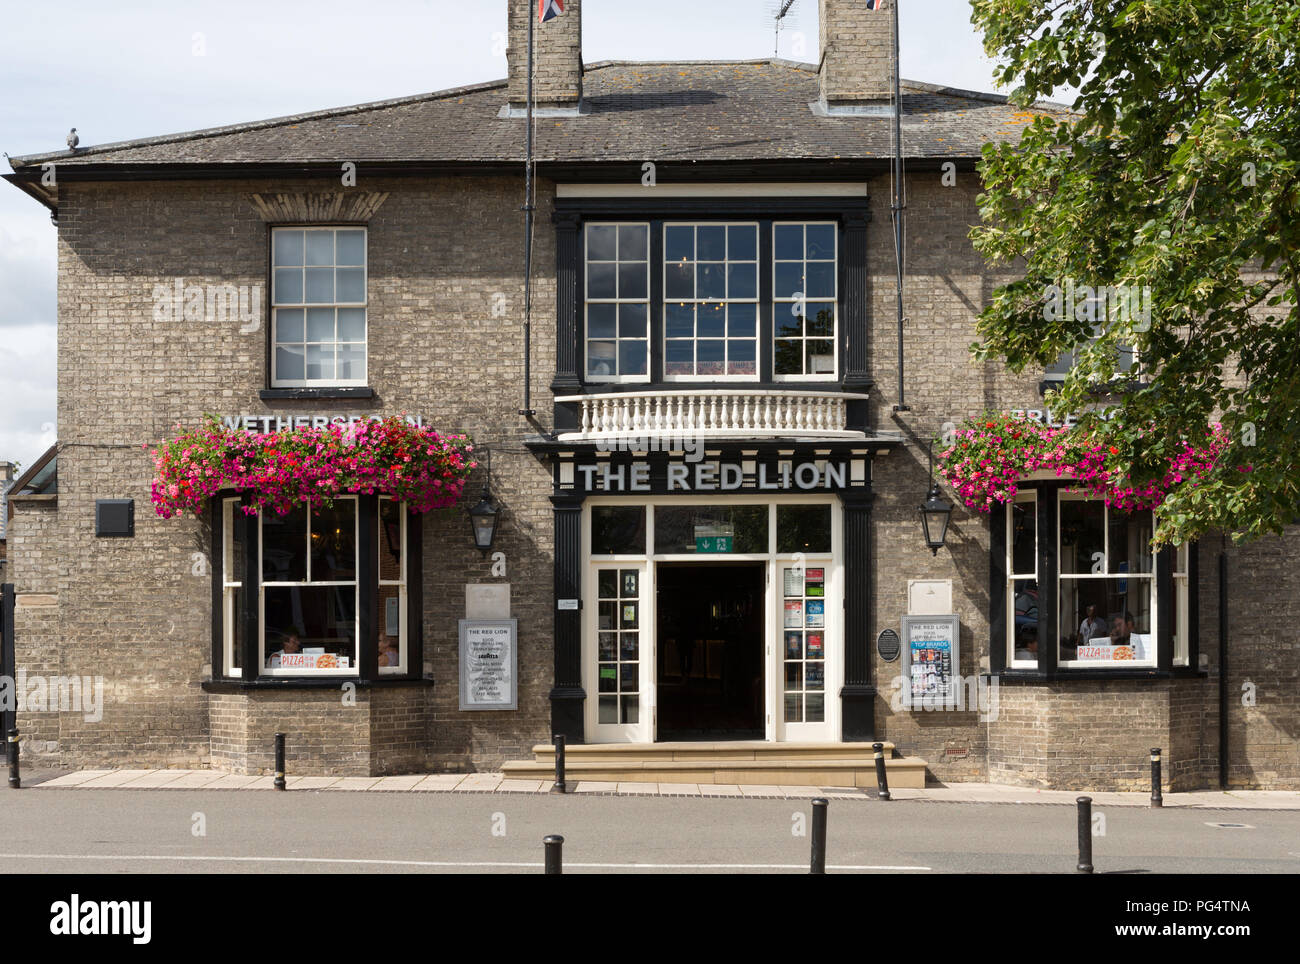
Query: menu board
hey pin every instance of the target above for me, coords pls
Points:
(489, 662)
(931, 647)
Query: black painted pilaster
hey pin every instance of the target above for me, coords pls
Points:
(367, 560)
(1049, 631)
(568, 261)
(250, 658)
(998, 589)
(568, 699)
(853, 300)
(1166, 607)
(858, 696)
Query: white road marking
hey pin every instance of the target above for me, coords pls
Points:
(450, 863)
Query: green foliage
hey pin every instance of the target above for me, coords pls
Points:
(1179, 173)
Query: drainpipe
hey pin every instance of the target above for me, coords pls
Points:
(1223, 668)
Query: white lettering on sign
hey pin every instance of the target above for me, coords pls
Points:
(716, 476)
(266, 424)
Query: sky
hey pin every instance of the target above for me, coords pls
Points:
(136, 68)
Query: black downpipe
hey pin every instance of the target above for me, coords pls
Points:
(897, 210)
(1223, 670)
(527, 411)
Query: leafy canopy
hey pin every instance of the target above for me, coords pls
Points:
(1177, 182)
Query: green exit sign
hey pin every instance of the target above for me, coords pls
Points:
(713, 543)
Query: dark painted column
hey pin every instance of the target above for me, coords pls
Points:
(367, 553)
(858, 696)
(568, 240)
(1049, 631)
(567, 697)
(1166, 607)
(854, 321)
(249, 660)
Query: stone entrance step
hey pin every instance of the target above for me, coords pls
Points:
(744, 763)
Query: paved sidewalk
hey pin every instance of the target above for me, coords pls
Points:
(496, 783)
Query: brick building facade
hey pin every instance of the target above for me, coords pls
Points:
(762, 149)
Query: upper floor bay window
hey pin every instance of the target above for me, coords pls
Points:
(710, 301)
(318, 306)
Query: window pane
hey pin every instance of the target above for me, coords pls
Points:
(1024, 527)
(680, 358)
(742, 242)
(711, 240)
(710, 282)
(633, 242)
(633, 281)
(287, 247)
(351, 284)
(788, 281)
(234, 625)
(320, 285)
(351, 362)
(617, 529)
(1130, 541)
(289, 363)
(803, 528)
(820, 321)
(600, 320)
(821, 241)
(320, 361)
(390, 540)
(288, 324)
(742, 280)
(741, 358)
(320, 247)
(350, 247)
(679, 280)
(602, 357)
(821, 358)
(1082, 535)
(284, 546)
(710, 357)
(679, 321)
(320, 325)
(1117, 611)
(742, 321)
(632, 357)
(1024, 596)
(820, 279)
(314, 625)
(334, 542)
(351, 324)
(288, 286)
(232, 558)
(601, 280)
(601, 242)
(711, 321)
(677, 528)
(632, 321)
(788, 242)
(789, 358)
(679, 243)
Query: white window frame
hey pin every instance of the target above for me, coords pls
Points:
(588, 301)
(1182, 597)
(380, 615)
(1026, 497)
(778, 301)
(756, 301)
(1150, 661)
(358, 643)
(229, 583)
(304, 306)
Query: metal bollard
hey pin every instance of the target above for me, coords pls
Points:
(15, 781)
(554, 853)
(1085, 835)
(882, 781)
(818, 837)
(279, 761)
(1156, 799)
(560, 785)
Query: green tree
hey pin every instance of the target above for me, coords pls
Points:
(1176, 175)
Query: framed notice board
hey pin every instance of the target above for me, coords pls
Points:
(932, 658)
(489, 664)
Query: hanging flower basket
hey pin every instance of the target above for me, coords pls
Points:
(281, 470)
(993, 454)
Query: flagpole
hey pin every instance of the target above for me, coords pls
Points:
(527, 411)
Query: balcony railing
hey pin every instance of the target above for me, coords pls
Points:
(768, 413)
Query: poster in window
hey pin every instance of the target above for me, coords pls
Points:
(793, 613)
(815, 614)
(794, 645)
(815, 650)
(794, 582)
(931, 645)
(392, 617)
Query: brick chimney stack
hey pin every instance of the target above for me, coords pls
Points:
(856, 51)
(557, 55)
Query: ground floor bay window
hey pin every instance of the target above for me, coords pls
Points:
(712, 619)
(1077, 588)
(315, 592)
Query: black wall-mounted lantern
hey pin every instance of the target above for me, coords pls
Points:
(935, 513)
(483, 517)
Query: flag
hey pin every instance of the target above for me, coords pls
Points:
(877, 4)
(549, 9)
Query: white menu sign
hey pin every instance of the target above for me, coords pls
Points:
(489, 660)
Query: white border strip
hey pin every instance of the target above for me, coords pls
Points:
(729, 189)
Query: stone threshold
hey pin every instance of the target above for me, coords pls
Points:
(499, 783)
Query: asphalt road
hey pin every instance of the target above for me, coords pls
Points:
(158, 831)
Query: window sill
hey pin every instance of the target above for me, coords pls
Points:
(1031, 676)
(358, 391)
(308, 683)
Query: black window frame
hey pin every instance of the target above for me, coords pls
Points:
(1047, 506)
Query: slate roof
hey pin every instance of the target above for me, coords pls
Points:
(686, 111)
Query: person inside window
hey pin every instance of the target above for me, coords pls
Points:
(292, 644)
(1092, 627)
(1027, 644)
(1121, 629)
(388, 652)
